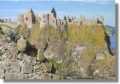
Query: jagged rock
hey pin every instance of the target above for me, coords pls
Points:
(20, 56)
(21, 44)
(9, 52)
(55, 51)
(6, 56)
(13, 50)
(13, 67)
(27, 58)
(77, 52)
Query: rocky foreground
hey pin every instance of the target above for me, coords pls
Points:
(78, 52)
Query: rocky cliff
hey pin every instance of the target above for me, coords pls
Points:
(78, 52)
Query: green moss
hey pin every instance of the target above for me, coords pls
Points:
(40, 56)
(56, 65)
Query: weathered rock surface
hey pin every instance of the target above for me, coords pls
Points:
(55, 51)
(49, 54)
(12, 67)
(13, 76)
(27, 67)
(1, 71)
(21, 44)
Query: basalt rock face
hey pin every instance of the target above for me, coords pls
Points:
(81, 52)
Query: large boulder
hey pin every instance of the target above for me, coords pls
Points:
(27, 67)
(21, 44)
(55, 51)
(26, 64)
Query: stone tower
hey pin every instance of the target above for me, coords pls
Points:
(28, 18)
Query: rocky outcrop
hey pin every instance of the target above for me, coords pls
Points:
(55, 51)
(21, 44)
(79, 52)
